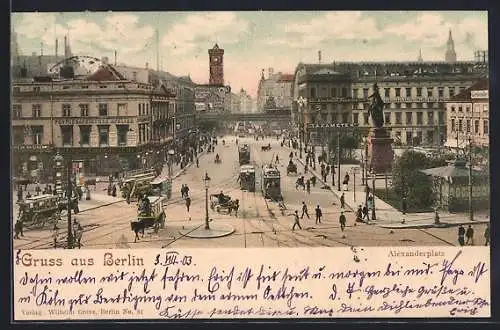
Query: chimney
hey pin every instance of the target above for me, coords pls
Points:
(65, 47)
(115, 57)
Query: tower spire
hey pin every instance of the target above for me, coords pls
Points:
(450, 55)
(420, 59)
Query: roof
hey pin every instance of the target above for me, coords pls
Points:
(465, 95)
(457, 169)
(286, 78)
(106, 73)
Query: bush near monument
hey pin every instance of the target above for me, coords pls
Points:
(408, 181)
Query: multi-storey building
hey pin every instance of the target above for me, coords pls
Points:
(277, 86)
(246, 102)
(235, 103)
(414, 93)
(103, 122)
(468, 117)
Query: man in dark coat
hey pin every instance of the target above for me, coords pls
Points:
(342, 220)
(319, 213)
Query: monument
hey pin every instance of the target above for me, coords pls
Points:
(380, 153)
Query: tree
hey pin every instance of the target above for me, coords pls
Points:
(347, 141)
(407, 180)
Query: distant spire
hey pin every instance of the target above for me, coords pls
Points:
(420, 59)
(450, 55)
(319, 56)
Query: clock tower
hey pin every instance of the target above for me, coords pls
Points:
(216, 64)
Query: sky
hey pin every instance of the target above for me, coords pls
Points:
(253, 40)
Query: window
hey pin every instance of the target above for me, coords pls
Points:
(430, 117)
(429, 92)
(334, 92)
(122, 131)
(355, 93)
(398, 92)
(36, 110)
(85, 134)
(452, 91)
(398, 118)
(440, 92)
(387, 118)
(17, 111)
(461, 89)
(452, 108)
(409, 118)
(345, 117)
(441, 118)
(365, 93)
(460, 108)
(476, 126)
(103, 135)
(37, 134)
(103, 109)
(409, 139)
(121, 109)
(66, 110)
(419, 91)
(398, 105)
(355, 118)
(467, 125)
(460, 125)
(420, 116)
(323, 106)
(424, 105)
(408, 105)
(367, 118)
(324, 92)
(408, 92)
(17, 135)
(344, 91)
(486, 128)
(84, 110)
(313, 92)
(67, 135)
(430, 137)
(36, 89)
(16, 89)
(387, 92)
(453, 125)
(467, 108)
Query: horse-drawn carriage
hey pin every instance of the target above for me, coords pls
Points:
(266, 148)
(271, 183)
(247, 178)
(291, 168)
(150, 213)
(37, 211)
(220, 201)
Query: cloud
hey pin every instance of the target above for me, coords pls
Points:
(196, 29)
(344, 25)
(118, 31)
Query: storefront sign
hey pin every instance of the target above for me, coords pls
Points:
(479, 94)
(33, 147)
(89, 121)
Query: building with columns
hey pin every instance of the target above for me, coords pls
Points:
(468, 117)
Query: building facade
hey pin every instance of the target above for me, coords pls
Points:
(235, 103)
(468, 117)
(246, 102)
(103, 122)
(276, 85)
(415, 95)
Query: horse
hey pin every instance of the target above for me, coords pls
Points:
(138, 227)
(234, 205)
(300, 183)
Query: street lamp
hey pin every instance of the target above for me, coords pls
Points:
(58, 167)
(471, 211)
(373, 196)
(206, 181)
(302, 103)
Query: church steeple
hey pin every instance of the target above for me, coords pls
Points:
(450, 55)
(420, 59)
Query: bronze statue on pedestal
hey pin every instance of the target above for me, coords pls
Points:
(376, 109)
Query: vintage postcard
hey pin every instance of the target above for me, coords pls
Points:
(214, 165)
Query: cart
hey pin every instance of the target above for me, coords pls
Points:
(225, 203)
(38, 211)
(291, 169)
(149, 217)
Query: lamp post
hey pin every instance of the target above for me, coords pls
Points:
(338, 160)
(363, 164)
(58, 167)
(354, 170)
(366, 161)
(373, 195)
(302, 103)
(171, 153)
(471, 211)
(206, 181)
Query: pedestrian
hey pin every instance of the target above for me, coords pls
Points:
(470, 236)
(359, 214)
(20, 194)
(296, 220)
(291, 154)
(487, 235)
(342, 201)
(38, 190)
(318, 214)
(342, 220)
(197, 162)
(346, 182)
(365, 213)
(188, 203)
(306, 167)
(461, 233)
(304, 210)
(313, 181)
(277, 159)
(404, 204)
(182, 191)
(308, 186)
(186, 191)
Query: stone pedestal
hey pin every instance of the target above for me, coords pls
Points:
(380, 153)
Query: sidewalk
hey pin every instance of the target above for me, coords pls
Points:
(388, 216)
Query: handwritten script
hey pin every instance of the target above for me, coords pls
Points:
(250, 283)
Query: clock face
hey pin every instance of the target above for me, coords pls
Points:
(216, 60)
